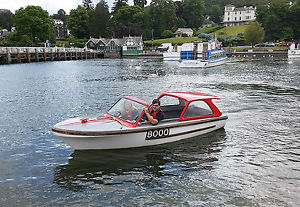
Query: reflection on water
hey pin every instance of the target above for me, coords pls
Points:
(99, 166)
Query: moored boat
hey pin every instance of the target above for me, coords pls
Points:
(212, 55)
(187, 114)
(294, 51)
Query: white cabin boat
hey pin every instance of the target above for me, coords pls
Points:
(212, 55)
(187, 114)
(170, 52)
(294, 51)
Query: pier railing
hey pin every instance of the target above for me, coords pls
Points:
(10, 55)
(4, 50)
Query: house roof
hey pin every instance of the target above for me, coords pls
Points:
(183, 30)
(208, 21)
(118, 41)
(191, 96)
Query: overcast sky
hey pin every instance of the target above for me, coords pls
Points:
(52, 6)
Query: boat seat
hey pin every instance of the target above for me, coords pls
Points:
(172, 111)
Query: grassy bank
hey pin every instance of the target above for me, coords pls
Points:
(231, 31)
(174, 40)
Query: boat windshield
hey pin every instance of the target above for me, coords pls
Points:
(127, 110)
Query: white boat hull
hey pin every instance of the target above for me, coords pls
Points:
(294, 53)
(201, 63)
(144, 135)
(171, 56)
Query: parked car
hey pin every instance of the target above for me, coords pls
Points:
(269, 44)
(266, 44)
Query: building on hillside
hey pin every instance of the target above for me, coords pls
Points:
(208, 23)
(4, 11)
(114, 46)
(60, 29)
(238, 16)
(187, 31)
(4, 33)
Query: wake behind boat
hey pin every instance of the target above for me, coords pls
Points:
(187, 114)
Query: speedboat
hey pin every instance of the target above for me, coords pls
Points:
(187, 114)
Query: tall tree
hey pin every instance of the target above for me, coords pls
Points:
(163, 16)
(193, 13)
(99, 28)
(254, 33)
(6, 19)
(216, 13)
(88, 4)
(140, 3)
(34, 22)
(273, 18)
(78, 22)
(118, 4)
(293, 19)
(130, 20)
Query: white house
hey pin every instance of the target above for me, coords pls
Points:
(238, 16)
(180, 31)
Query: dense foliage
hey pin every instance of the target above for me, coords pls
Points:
(254, 33)
(78, 22)
(6, 20)
(280, 20)
(35, 23)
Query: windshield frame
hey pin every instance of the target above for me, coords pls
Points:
(135, 100)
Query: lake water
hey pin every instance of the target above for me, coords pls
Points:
(254, 161)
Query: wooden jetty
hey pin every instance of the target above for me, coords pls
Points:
(257, 53)
(10, 55)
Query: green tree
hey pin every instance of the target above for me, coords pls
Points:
(167, 34)
(273, 18)
(118, 4)
(24, 41)
(6, 19)
(254, 33)
(88, 4)
(34, 22)
(293, 19)
(216, 14)
(163, 16)
(130, 15)
(101, 12)
(78, 22)
(193, 13)
(140, 3)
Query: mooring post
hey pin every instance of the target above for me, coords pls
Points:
(28, 55)
(52, 55)
(36, 55)
(45, 55)
(59, 58)
(8, 56)
(19, 55)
